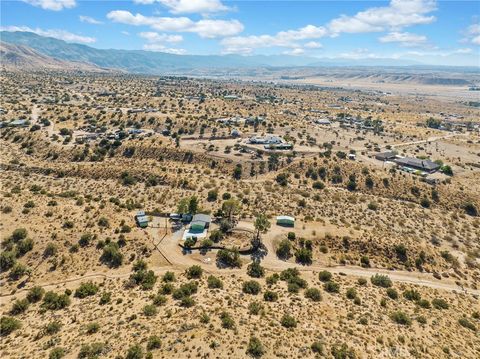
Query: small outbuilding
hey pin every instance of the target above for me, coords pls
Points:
(141, 219)
(385, 156)
(200, 222)
(286, 221)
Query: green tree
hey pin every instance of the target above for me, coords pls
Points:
(262, 225)
(230, 208)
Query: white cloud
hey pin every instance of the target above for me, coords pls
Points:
(153, 37)
(473, 34)
(398, 14)
(295, 52)
(290, 38)
(359, 54)
(189, 6)
(163, 48)
(204, 28)
(55, 5)
(404, 38)
(57, 34)
(313, 45)
(126, 33)
(89, 20)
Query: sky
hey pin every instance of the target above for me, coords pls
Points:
(428, 31)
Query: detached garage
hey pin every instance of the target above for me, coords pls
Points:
(286, 221)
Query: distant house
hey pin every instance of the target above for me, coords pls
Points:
(18, 123)
(286, 221)
(322, 121)
(385, 156)
(418, 164)
(200, 222)
(279, 146)
(267, 140)
(141, 219)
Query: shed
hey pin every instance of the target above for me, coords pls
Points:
(141, 219)
(200, 222)
(385, 156)
(285, 221)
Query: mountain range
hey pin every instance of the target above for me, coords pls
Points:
(148, 62)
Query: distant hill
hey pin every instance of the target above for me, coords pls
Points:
(23, 57)
(138, 61)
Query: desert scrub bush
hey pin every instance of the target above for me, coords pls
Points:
(150, 310)
(439, 303)
(464, 322)
(214, 282)
(56, 353)
(86, 289)
(392, 293)
(134, 352)
(351, 293)
(154, 342)
(185, 290)
(229, 258)
(111, 255)
(54, 301)
(52, 328)
(92, 328)
(324, 276)
(284, 249)
(227, 321)
(19, 306)
(251, 287)
(381, 280)
(19, 234)
(9, 325)
(425, 304)
(255, 348)
(194, 272)
(105, 298)
(303, 256)
(401, 318)
(166, 288)
(7, 260)
(313, 294)
(317, 347)
(168, 277)
(331, 287)
(342, 351)
(204, 318)
(187, 302)
(272, 279)
(50, 250)
(146, 279)
(159, 300)
(255, 308)
(288, 321)
(90, 351)
(362, 282)
(255, 270)
(412, 294)
(18, 270)
(270, 296)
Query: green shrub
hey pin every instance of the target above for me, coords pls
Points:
(146, 279)
(255, 308)
(464, 322)
(18, 271)
(186, 289)
(35, 294)
(111, 255)
(92, 328)
(255, 348)
(255, 270)
(284, 249)
(229, 258)
(351, 293)
(303, 256)
(424, 304)
(381, 280)
(214, 282)
(8, 325)
(56, 353)
(19, 306)
(288, 321)
(7, 260)
(19, 234)
(270, 296)
(187, 302)
(291, 236)
(272, 279)
(168, 277)
(324, 276)
(154, 342)
(331, 287)
(52, 327)
(313, 294)
(54, 301)
(317, 347)
(105, 298)
(159, 300)
(91, 351)
(342, 351)
(166, 288)
(439, 303)
(392, 293)
(194, 271)
(134, 352)
(227, 320)
(86, 289)
(150, 310)
(401, 318)
(412, 294)
(362, 281)
(251, 287)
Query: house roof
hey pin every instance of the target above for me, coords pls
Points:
(200, 217)
(287, 218)
(417, 163)
(385, 155)
(142, 219)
